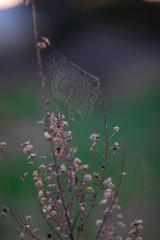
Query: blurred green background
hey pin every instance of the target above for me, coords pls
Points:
(118, 41)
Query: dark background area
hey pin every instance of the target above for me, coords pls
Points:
(118, 41)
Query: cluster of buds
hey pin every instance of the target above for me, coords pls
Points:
(136, 229)
(46, 176)
(109, 197)
(109, 191)
(94, 138)
(60, 135)
(110, 232)
(3, 144)
(37, 180)
(27, 147)
(65, 175)
(87, 177)
(81, 207)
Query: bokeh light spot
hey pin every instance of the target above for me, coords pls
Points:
(4, 4)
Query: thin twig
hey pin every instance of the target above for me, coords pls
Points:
(24, 226)
(115, 195)
(25, 184)
(105, 164)
(45, 102)
(99, 153)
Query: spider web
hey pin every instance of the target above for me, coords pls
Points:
(72, 85)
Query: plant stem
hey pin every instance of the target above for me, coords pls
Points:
(115, 195)
(45, 102)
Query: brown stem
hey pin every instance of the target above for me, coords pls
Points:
(105, 164)
(42, 175)
(25, 184)
(115, 195)
(45, 102)
(21, 220)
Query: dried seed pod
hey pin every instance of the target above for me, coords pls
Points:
(3, 144)
(42, 167)
(108, 193)
(103, 201)
(90, 189)
(87, 177)
(121, 224)
(43, 200)
(23, 176)
(84, 167)
(94, 136)
(35, 174)
(35, 230)
(99, 222)
(30, 163)
(77, 161)
(47, 135)
(27, 148)
(119, 238)
(116, 128)
(108, 180)
(21, 235)
(39, 184)
(136, 222)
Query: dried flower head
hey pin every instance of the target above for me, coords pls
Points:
(103, 201)
(119, 238)
(35, 230)
(108, 193)
(77, 161)
(99, 222)
(32, 155)
(30, 163)
(29, 217)
(3, 144)
(21, 236)
(87, 177)
(121, 224)
(90, 189)
(108, 181)
(94, 136)
(84, 167)
(47, 135)
(42, 167)
(116, 128)
(27, 148)
(23, 176)
(46, 40)
(39, 184)
(119, 215)
(136, 222)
